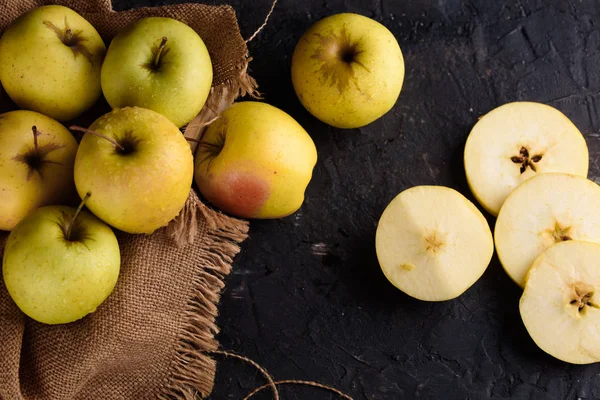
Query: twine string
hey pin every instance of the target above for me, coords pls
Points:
(263, 371)
(305, 383)
(272, 384)
(260, 28)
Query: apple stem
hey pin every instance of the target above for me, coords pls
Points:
(35, 137)
(113, 141)
(72, 222)
(163, 43)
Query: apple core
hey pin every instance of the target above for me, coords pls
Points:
(583, 295)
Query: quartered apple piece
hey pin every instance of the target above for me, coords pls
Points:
(560, 306)
(432, 243)
(516, 141)
(544, 210)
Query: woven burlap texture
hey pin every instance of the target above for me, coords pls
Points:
(150, 338)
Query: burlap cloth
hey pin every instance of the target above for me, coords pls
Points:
(150, 338)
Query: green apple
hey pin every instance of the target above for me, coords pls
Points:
(138, 167)
(348, 70)
(36, 164)
(255, 161)
(59, 265)
(161, 64)
(51, 61)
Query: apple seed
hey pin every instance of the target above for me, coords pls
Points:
(583, 297)
(560, 233)
(525, 160)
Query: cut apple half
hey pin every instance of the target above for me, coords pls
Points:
(433, 243)
(560, 306)
(516, 141)
(544, 210)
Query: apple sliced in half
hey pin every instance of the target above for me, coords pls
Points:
(516, 141)
(433, 243)
(560, 306)
(544, 210)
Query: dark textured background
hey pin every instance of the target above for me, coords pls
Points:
(334, 318)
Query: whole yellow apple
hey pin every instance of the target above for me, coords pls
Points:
(138, 168)
(161, 64)
(36, 164)
(348, 70)
(60, 264)
(255, 161)
(51, 60)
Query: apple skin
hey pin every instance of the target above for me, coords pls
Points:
(54, 280)
(255, 161)
(347, 70)
(177, 89)
(23, 189)
(142, 190)
(41, 73)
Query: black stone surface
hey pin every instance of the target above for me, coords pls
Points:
(334, 318)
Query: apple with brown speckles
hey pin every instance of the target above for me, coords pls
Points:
(255, 161)
(36, 165)
(51, 60)
(348, 70)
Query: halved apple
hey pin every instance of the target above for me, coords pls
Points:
(544, 210)
(516, 141)
(560, 306)
(433, 243)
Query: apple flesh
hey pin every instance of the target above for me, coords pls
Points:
(139, 174)
(59, 267)
(255, 161)
(51, 61)
(542, 211)
(348, 70)
(560, 306)
(36, 165)
(160, 64)
(433, 243)
(516, 141)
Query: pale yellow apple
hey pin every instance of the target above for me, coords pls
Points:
(516, 141)
(560, 306)
(348, 70)
(51, 60)
(36, 164)
(433, 243)
(255, 161)
(141, 181)
(544, 210)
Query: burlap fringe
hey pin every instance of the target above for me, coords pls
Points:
(198, 337)
(184, 228)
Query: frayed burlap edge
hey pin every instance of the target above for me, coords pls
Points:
(186, 382)
(184, 228)
(223, 236)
